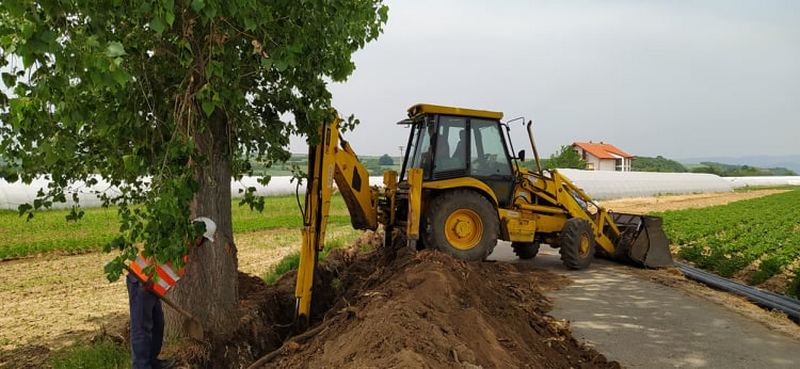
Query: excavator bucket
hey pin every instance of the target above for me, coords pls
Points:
(642, 240)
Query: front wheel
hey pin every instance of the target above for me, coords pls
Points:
(461, 223)
(577, 244)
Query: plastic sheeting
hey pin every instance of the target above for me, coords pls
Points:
(14, 194)
(764, 181)
(598, 184)
(603, 185)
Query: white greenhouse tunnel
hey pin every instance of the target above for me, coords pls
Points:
(604, 185)
(601, 185)
(763, 181)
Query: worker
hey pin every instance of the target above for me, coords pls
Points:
(461, 147)
(144, 298)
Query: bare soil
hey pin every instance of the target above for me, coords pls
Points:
(677, 202)
(52, 301)
(409, 310)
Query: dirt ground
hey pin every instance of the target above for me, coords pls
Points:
(51, 301)
(677, 202)
(408, 311)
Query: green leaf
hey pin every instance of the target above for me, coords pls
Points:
(115, 49)
(9, 80)
(208, 106)
(170, 18)
(249, 24)
(198, 5)
(156, 24)
(120, 76)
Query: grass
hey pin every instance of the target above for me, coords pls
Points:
(49, 232)
(291, 261)
(728, 238)
(100, 355)
(750, 188)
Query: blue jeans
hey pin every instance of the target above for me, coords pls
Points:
(147, 324)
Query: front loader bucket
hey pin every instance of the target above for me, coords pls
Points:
(642, 240)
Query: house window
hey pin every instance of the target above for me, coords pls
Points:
(589, 166)
(620, 165)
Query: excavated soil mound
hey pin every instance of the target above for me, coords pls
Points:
(428, 310)
(409, 310)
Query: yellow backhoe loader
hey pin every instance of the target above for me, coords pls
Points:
(460, 190)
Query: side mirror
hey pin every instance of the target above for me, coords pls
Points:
(521, 155)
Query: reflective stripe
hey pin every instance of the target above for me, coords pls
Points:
(137, 267)
(141, 261)
(159, 289)
(162, 281)
(169, 274)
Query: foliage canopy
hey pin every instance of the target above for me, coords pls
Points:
(565, 157)
(657, 164)
(385, 159)
(121, 90)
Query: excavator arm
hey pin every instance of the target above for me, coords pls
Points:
(332, 159)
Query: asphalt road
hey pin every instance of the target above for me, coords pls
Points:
(643, 324)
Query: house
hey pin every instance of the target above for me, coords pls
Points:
(603, 156)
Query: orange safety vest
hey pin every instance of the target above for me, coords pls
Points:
(165, 276)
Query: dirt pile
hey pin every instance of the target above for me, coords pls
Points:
(428, 310)
(412, 310)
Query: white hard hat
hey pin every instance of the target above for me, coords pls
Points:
(211, 227)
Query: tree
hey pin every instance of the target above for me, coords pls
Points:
(565, 157)
(657, 164)
(167, 100)
(385, 159)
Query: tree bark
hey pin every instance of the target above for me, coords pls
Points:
(209, 287)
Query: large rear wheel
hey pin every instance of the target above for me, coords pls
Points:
(525, 250)
(577, 244)
(462, 223)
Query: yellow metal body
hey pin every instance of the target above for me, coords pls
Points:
(414, 214)
(547, 201)
(331, 160)
(463, 229)
(425, 109)
(542, 202)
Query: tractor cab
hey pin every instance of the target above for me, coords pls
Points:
(449, 143)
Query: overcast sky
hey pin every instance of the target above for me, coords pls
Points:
(674, 78)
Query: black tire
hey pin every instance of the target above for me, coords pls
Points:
(525, 250)
(573, 255)
(457, 203)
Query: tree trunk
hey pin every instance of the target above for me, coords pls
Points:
(209, 289)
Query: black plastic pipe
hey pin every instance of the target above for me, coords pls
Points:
(766, 299)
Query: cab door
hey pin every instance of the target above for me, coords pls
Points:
(489, 160)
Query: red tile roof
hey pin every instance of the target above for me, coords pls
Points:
(602, 150)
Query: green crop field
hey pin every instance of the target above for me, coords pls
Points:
(725, 239)
(49, 232)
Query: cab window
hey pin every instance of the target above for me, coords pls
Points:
(487, 152)
(422, 154)
(451, 141)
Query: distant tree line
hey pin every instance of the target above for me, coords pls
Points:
(565, 157)
(729, 170)
(375, 165)
(657, 164)
(661, 164)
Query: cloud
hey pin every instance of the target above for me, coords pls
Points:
(655, 78)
